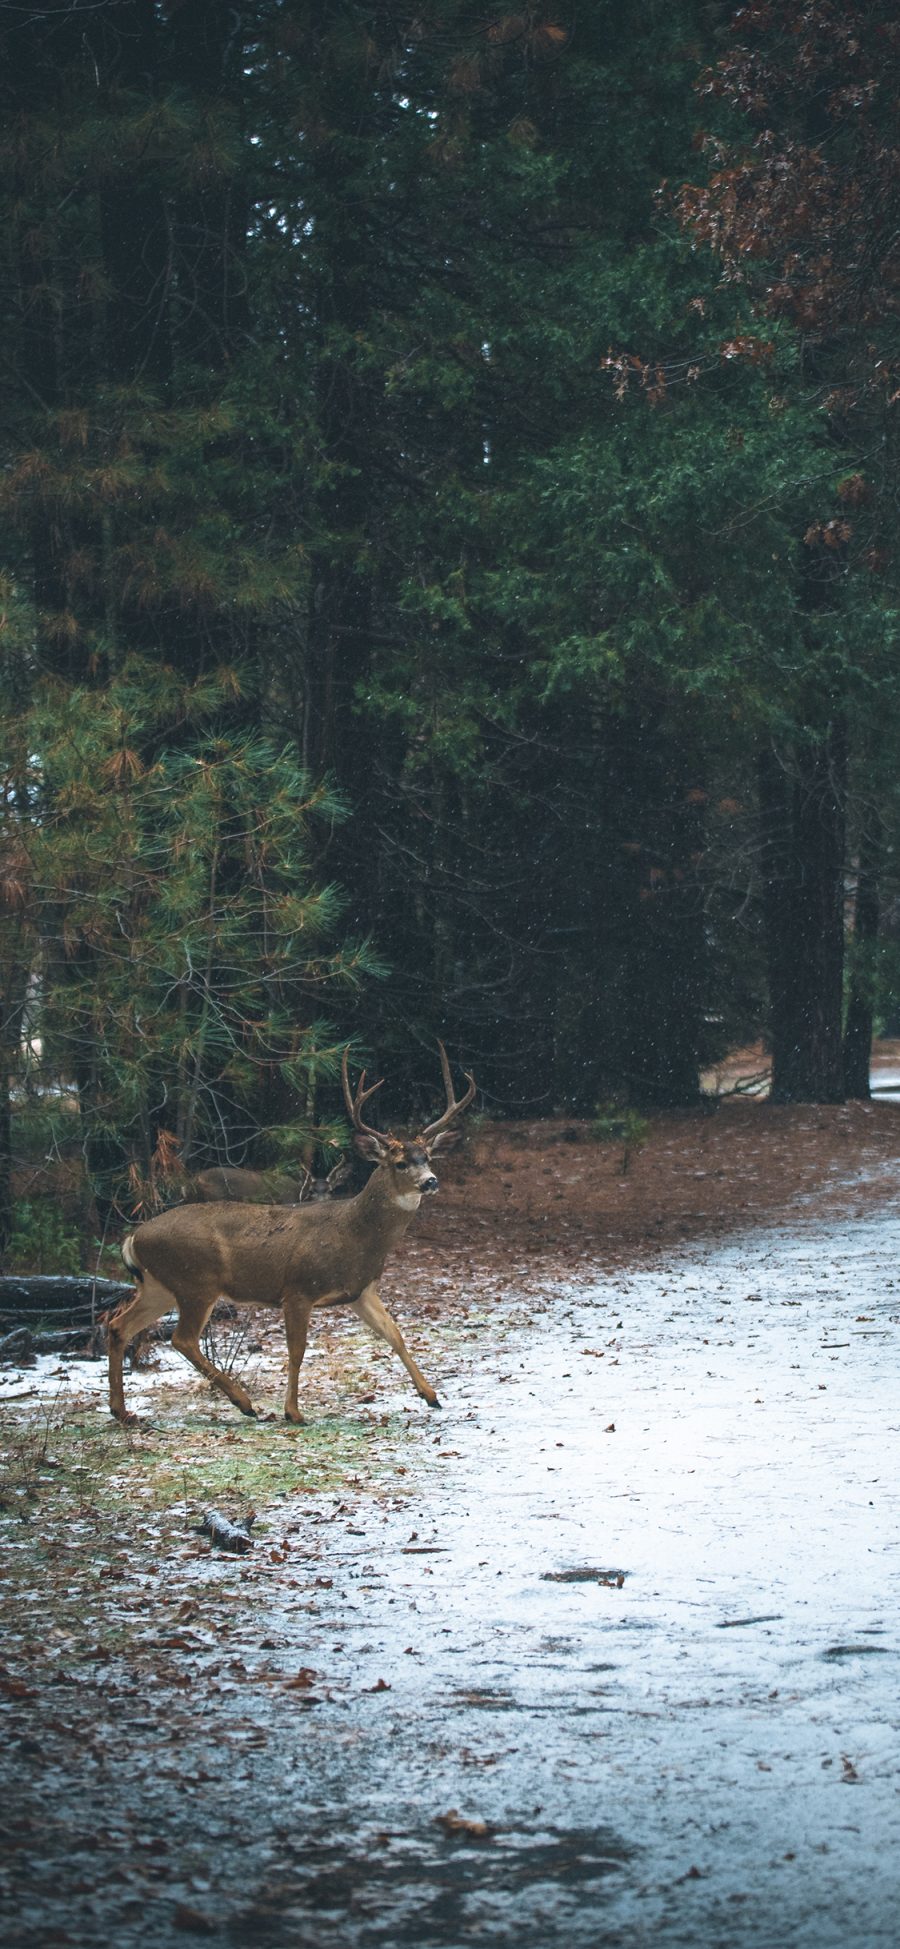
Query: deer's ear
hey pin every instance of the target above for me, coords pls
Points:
(445, 1140)
(370, 1147)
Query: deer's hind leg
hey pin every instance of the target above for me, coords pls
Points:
(150, 1302)
(192, 1317)
(377, 1318)
(296, 1326)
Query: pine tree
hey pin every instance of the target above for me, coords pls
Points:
(176, 951)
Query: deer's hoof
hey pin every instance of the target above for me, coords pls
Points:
(249, 1410)
(434, 1403)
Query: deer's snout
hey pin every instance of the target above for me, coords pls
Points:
(428, 1184)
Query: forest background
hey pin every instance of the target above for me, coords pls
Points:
(448, 539)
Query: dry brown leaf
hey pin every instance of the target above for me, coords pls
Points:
(456, 1823)
(302, 1680)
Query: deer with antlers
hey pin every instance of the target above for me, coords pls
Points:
(330, 1253)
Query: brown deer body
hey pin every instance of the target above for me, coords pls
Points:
(232, 1184)
(322, 1254)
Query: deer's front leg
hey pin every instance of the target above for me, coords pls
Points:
(296, 1326)
(192, 1317)
(378, 1320)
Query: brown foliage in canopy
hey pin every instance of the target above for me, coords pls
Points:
(807, 212)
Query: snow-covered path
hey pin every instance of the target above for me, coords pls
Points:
(714, 1743)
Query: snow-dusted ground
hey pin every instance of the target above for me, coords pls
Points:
(725, 1430)
(703, 1753)
(885, 1082)
(734, 1449)
(65, 1380)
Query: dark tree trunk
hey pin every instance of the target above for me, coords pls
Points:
(666, 967)
(338, 738)
(6, 1203)
(861, 1000)
(12, 1013)
(802, 831)
(649, 925)
(205, 50)
(133, 223)
(105, 1158)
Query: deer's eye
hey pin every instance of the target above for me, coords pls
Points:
(402, 1164)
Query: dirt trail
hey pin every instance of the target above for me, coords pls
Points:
(609, 1654)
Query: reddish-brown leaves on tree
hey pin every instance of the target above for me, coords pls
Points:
(814, 191)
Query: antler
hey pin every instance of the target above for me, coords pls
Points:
(355, 1103)
(453, 1108)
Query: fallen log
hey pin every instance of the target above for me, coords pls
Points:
(17, 1348)
(74, 1297)
(225, 1535)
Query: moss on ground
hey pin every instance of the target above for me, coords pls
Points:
(87, 1507)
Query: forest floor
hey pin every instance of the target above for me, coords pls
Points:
(606, 1650)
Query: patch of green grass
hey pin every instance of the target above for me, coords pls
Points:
(63, 1461)
(88, 1509)
(257, 1461)
(98, 1523)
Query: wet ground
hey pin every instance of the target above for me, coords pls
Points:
(616, 1664)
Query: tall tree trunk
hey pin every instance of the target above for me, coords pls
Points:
(663, 969)
(206, 43)
(802, 830)
(337, 738)
(861, 999)
(6, 1199)
(134, 230)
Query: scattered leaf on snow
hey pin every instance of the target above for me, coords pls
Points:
(192, 1920)
(12, 1687)
(455, 1823)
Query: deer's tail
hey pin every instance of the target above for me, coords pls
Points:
(128, 1255)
